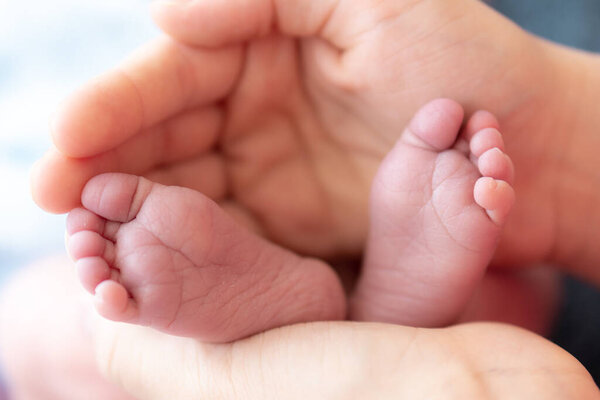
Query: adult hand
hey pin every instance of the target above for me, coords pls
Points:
(344, 360)
(257, 94)
(316, 360)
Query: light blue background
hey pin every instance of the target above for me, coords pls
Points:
(47, 49)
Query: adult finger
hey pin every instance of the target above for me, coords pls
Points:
(344, 360)
(217, 22)
(159, 152)
(162, 79)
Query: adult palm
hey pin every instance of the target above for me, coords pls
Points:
(283, 110)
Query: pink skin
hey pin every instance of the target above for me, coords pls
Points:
(438, 203)
(171, 258)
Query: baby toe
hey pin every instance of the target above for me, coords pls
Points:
(115, 196)
(496, 164)
(86, 244)
(80, 219)
(495, 196)
(91, 272)
(485, 140)
(90, 244)
(478, 121)
(112, 301)
(435, 126)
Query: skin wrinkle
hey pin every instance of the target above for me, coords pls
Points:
(239, 292)
(414, 140)
(406, 232)
(108, 365)
(138, 95)
(488, 375)
(183, 72)
(326, 21)
(232, 311)
(300, 299)
(382, 302)
(308, 90)
(262, 290)
(260, 379)
(305, 155)
(151, 229)
(331, 139)
(431, 203)
(208, 226)
(276, 163)
(471, 366)
(434, 208)
(227, 368)
(393, 20)
(137, 200)
(180, 292)
(410, 240)
(230, 160)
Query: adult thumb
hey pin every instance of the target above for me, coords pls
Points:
(344, 360)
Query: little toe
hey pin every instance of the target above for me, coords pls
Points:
(80, 219)
(435, 126)
(116, 196)
(112, 301)
(496, 164)
(495, 196)
(91, 271)
(87, 244)
(485, 140)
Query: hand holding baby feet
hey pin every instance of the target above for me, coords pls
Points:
(438, 203)
(170, 258)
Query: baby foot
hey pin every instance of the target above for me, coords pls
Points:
(170, 258)
(438, 204)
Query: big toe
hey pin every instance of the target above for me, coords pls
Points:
(436, 125)
(116, 196)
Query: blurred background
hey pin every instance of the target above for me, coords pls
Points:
(48, 48)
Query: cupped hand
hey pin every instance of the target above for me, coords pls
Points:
(344, 361)
(282, 111)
